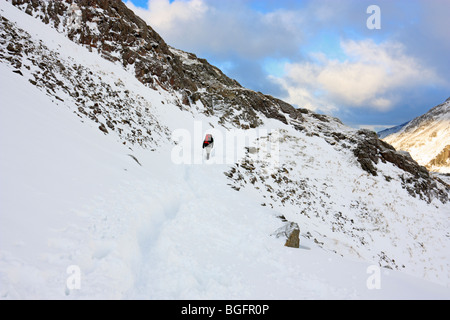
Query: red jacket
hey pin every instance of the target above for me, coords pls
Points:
(209, 141)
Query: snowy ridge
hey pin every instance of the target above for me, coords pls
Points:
(427, 138)
(384, 133)
(138, 225)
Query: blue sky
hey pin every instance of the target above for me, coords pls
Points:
(320, 54)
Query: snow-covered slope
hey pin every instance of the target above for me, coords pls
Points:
(73, 197)
(101, 174)
(427, 138)
(345, 211)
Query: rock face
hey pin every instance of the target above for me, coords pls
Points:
(371, 150)
(115, 32)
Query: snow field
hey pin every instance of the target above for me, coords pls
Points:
(72, 196)
(160, 231)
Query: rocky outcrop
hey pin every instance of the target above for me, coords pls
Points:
(114, 31)
(370, 150)
(109, 105)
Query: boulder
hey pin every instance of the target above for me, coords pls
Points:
(291, 231)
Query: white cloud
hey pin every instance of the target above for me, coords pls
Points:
(166, 15)
(223, 28)
(369, 77)
(379, 76)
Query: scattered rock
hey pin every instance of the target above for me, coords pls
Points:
(103, 128)
(291, 231)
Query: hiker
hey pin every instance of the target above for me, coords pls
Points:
(208, 144)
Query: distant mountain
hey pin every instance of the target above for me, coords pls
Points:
(384, 133)
(426, 138)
